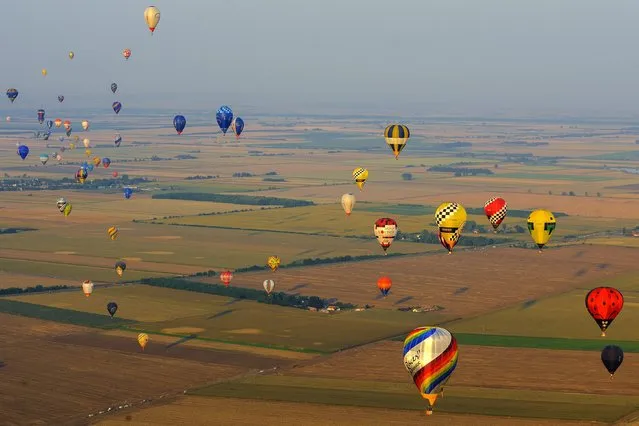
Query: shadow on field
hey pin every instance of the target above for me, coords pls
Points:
(581, 272)
(233, 301)
(528, 303)
(221, 314)
(403, 300)
(460, 290)
(182, 340)
(298, 287)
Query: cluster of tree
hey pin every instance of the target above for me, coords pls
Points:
(15, 230)
(201, 177)
(184, 157)
(524, 143)
(274, 179)
(249, 200)
(272, 173)
(279, 298)
(242, 174)
(320, 261)
(34, 184)
(36, 289)
(407, 176)
(461, 171)
(466, 240)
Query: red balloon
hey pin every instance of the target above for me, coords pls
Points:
(496, 209)
(384, 284)
(115, 174)
(226, 277)
(604, 304)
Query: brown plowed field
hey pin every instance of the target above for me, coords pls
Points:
(466, 283)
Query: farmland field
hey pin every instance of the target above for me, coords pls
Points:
(245, 362)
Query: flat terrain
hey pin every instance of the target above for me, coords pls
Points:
(465, 283)
(494, 298)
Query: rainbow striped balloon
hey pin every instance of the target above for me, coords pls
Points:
(430, 356)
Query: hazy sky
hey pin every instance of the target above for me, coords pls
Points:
(401, 57)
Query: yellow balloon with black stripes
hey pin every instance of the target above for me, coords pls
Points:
(450, 219)
(396, 136)
(541, 224)
(113, 232)
(360, 175)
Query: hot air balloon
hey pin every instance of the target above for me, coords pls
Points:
(114, 87)
(126, 53)
(612, 357)
(127, 193)
(49, 124)
(41, 116)
(97, 161)
(12, 94)
(46, 136)
(268, 286)
(114, 174)
(396, 136)
(8, 119)
(450, 219)
(113, 232)
(273, 262)
(384, 285)
(57, 122)
(44, 158)
(348, 202)
(44, 72)
(71, 145)
(117, 106)
(385, 229)
(112, 308)
(360, 175)
(61, 204)
(106, 162)
(226, 277)
(117, 140)
(143, 339)
(495, 210)
(23, 151)
(87, 288)
(430, 357)
(60, 98)
(69, 130)
(71, 55)
(604, 304)
(85, 125)
(224, 117)
(67, 124)
(152, 17)
(88, 154)
(86, 142)
(541, 224)
(237, 126)
(179, 122)
(81, 174)
(120, 267)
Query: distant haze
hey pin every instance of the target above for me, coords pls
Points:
(399, 58)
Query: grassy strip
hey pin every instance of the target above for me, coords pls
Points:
(556, 343)
(67, 316)
(392, 400)
(248, 200)
(230, 342)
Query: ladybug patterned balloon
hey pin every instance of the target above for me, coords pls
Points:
(604, 304)
(226, 277)
(385, 230)
(496, 209)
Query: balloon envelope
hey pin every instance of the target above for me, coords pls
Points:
(179, 122)
(224, 117)
(612, 357)
(495, 210)
(603, 305)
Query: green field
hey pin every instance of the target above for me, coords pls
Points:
(480, 401)
(167, 311)
(563, 316)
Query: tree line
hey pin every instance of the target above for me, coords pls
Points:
(35, 289)
(249, 200)
(260, 296)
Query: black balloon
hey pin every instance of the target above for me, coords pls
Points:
(112, 307)
(612, 357)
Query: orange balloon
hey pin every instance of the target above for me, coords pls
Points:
(384, 284)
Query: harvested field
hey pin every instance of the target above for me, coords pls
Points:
(489, 367)
(467, 282)
(183, 352)
(78, 380)
(80, 260)
(231, 411)
(8, 279)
